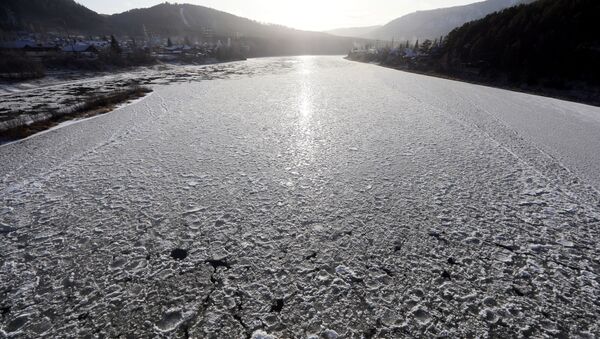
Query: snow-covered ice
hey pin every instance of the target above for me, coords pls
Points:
(332, 199)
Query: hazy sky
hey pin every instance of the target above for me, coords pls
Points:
(302, 14)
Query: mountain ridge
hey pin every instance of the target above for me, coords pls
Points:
(183, 21)
(431, 24)
(436, 22)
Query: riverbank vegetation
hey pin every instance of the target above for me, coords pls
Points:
(548, 47)
(88, 107)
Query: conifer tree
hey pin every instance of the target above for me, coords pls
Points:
(115, 48)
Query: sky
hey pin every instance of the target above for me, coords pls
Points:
(316, 15)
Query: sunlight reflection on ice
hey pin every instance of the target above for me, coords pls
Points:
(305, 138)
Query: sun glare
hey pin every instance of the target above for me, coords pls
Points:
(310, 14)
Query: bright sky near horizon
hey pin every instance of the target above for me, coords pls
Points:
(315, 15)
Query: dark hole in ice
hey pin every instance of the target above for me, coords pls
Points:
(356, 279)
(507, 247)
(370, 333)
(434, 234)
(451, 261)
(311, 256)
(4, 310)
(179, 254)
(215, 263)
(518, 291)
(437, 235)
(83, 316)
(239, 319)
(388, 271)
(397, 248)
(277, 305)
(6, 229)
(446, 275)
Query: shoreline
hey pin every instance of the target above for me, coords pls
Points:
(91, 107)
(539, 91)
(76, 120)
(58, 77)
(33, 107)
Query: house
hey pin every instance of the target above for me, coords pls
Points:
(173, 50)
(99, 44)
(81, 48)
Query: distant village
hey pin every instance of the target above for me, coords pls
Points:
(25, 54)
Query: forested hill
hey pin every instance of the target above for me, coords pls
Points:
(431, 24)
(49, 15)
(184, 20)
(166, 20)
(549, 42)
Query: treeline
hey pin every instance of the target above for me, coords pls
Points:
(548, 42)
(48, 15)
(549, 47)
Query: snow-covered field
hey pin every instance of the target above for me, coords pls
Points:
(331, 199)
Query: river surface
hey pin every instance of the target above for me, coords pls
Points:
(307, 197)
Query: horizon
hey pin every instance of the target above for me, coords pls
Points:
(312, 15)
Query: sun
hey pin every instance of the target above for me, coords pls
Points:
(315, 15)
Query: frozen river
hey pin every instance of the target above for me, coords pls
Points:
(312, 196)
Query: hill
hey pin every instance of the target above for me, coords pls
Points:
(432, 24)
(198, 22)
(549, 42)
(49, 15)
(548, 47)
(166, 20)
